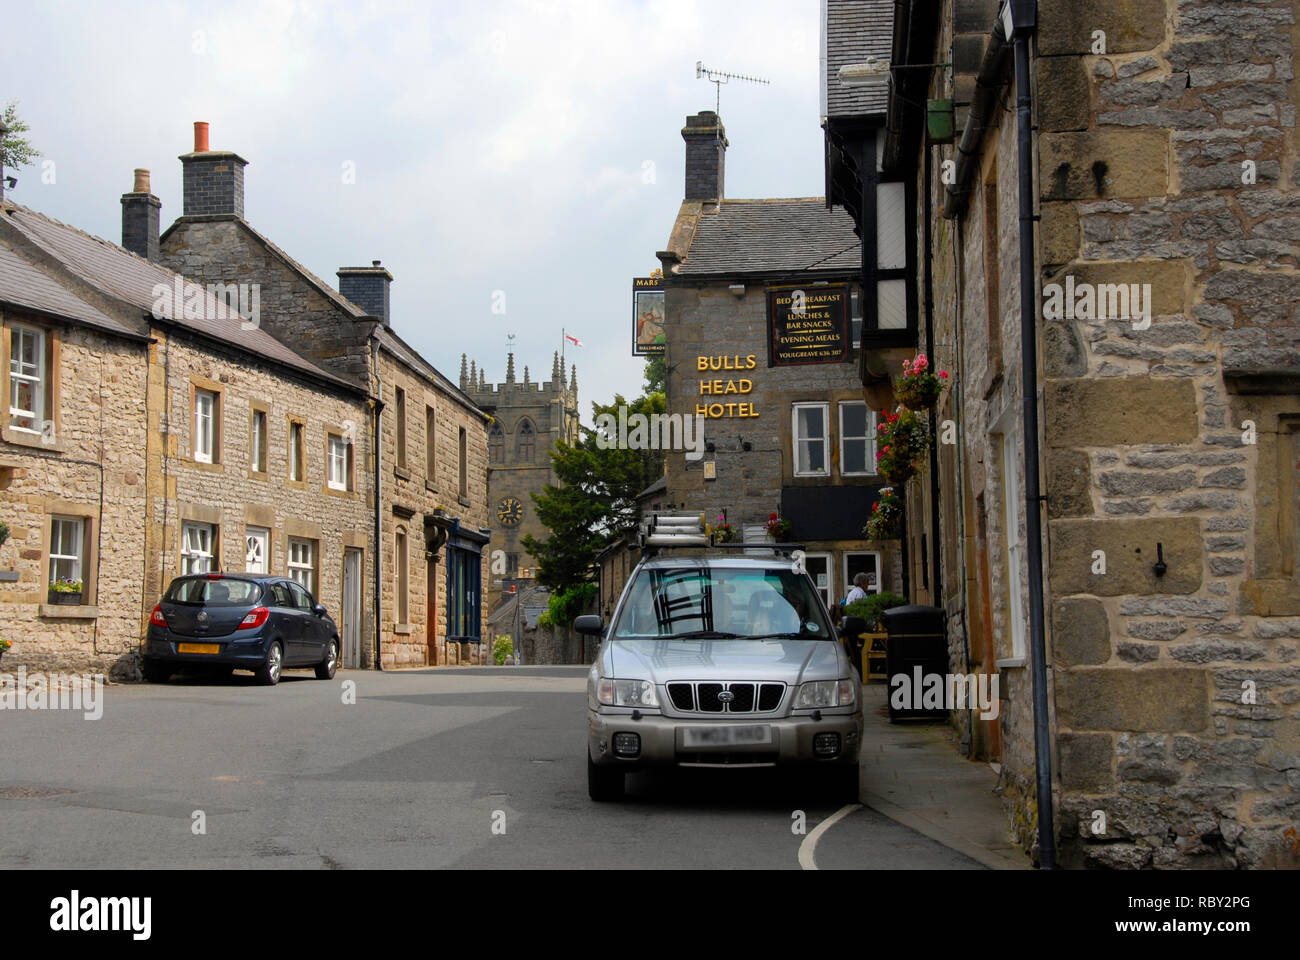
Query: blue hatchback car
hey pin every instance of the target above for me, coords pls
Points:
(228, 622)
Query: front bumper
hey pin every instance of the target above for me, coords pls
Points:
(663, 740)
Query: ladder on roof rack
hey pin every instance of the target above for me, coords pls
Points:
(678, 530)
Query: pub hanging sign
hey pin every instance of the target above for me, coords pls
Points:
(808, 324)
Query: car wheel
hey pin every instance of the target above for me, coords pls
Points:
(269, 672)
(843, 783)
(326, 669)
(156, 672)
(604, 783)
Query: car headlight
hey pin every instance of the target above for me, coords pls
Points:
(825, 693)
(626, 693)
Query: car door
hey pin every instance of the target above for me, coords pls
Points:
(311, 639)
(287, 620)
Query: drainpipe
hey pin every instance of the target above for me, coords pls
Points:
(1019, 16)
(379, 534)
(936, 536)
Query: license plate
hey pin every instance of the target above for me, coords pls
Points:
(199, 648)
(751, 733)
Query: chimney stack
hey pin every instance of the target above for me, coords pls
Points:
(214, 179)
(706, 149)
(367, 287)
(140, 212)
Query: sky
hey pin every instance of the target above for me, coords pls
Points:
(526, 154)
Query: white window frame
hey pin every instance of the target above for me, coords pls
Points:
(878, 586)
(870, 438)
(338, 462)
(258, 455)
(827, 592)
(302, 562)
(205, 426)
(1015, 561)
(825, 439)
(196, 555)
(17, 375)
(260, 536)
(78, 526)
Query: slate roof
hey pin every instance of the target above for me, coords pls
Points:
(124, 276)
(772, 236)
(22, 285)
(855, 30)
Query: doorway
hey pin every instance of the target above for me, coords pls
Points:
(352, 608)
(431, 607)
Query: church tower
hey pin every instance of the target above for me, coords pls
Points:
(529, 418)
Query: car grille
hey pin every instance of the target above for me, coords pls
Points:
(745, 697)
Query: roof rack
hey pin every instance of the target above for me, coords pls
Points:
(678, 530)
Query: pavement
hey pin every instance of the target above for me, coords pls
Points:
(467, 767)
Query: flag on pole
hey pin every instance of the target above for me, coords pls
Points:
(573, 340)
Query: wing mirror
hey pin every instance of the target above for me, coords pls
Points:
(319, 609)
(589, 623)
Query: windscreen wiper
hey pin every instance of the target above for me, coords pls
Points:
(705, 635)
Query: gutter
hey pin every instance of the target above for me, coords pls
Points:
(983, 108)
(379, 408)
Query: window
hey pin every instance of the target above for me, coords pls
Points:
(26, 378)
(1011, 516)
(810, 440)
(205, 426)
(340, 463)
(302, 568)
(857, 439)
(280, 595)
(257, 549)
(198, 543)
(301, 597)
(401, 572)
(992, 272)
(526, 442)
(463, 594)
(818, 566)
(430, 436)
(297, 450)
(400, 414)
(257, 452)
(868, 563)
(496, 444)
(464, 465)
(67, 540)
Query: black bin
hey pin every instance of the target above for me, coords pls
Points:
(917, 638)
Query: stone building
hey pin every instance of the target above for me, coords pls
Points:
(528, 420)
(793, 438)
(1165, 280)
(427, 436)
(144, 442)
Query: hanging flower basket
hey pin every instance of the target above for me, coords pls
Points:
(918, 388)
(723, 531)
(902, 439)
(778, 528)
(886, 521)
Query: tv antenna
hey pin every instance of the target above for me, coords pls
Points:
(718, 78)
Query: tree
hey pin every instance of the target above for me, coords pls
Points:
(596, 504)
(656, 375)
(15, 149)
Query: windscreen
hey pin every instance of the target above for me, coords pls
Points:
(214, 593)
(696, 602)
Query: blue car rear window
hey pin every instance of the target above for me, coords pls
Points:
(214, 593)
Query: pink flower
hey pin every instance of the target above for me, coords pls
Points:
(921, 363)
(943, 374)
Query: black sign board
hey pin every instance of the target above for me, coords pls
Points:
(647, 317)
(808, 324)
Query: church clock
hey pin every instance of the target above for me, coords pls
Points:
(510, 511)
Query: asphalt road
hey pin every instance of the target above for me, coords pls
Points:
(459, 768)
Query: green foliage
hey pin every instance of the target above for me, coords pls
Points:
(656, 375)
(596, 501)
(873, 608)
(4, 644)
(502, 649)
(66, 586)
(566, 605)
(15, 149)
(4, 532)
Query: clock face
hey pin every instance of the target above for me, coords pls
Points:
(510, 511)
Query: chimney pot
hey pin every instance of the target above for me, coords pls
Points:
(141, 180)
(200, 136)
(375, 262)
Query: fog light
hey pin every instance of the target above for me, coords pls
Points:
(826, 744)
(627, 744)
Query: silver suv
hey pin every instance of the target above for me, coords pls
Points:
(723, 658)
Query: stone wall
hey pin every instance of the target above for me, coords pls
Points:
(230, 495)
(93, 467)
